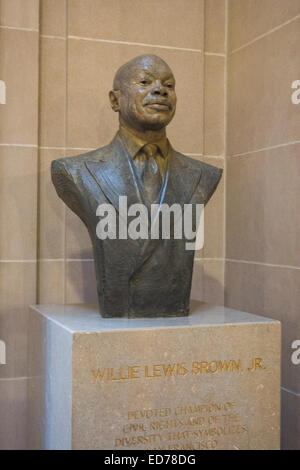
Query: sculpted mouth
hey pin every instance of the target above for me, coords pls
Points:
(159, 105)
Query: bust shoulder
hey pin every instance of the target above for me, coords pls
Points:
(198, 165)
(77, 161)
(210, 175)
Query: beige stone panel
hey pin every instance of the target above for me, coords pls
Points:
(13, 411)
(92, 66)
(19, 70)
(197, 291)
(17, 291)
(35, 392)
(54, 17)
(78, 242)
(52, 92)
(251, 18)
(214, 111)
(37, 352)
(213, 282)
(152, 22)
(51, 282)
(273, 292)
(208, 281)
(263, 206)
(213, 218)
(290, 421)
(260, 110)
(263, 290)
(20, 13)
(80, 282)
(115, 404)
(18, 203)
(214, 21)
(51, 209)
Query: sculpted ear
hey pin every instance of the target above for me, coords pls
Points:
(114, 97)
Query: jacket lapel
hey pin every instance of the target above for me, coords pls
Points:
(182, 181)
(114, 174)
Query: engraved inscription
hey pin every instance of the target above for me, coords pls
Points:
(195, 426)
(188, 427)
(181, 369)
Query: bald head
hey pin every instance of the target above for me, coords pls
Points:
(141, 62)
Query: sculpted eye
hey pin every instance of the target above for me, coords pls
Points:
(169, 85)
(144, 82)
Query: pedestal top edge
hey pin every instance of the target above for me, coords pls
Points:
(85, 318)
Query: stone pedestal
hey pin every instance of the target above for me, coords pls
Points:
(207, 381)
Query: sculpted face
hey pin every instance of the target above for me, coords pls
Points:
(144, 93)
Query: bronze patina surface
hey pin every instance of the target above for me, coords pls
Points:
(138, 277)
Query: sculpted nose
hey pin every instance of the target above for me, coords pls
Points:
(160, 90)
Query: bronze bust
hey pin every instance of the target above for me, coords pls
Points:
(138, 277)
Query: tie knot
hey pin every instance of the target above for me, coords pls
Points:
(150, 150)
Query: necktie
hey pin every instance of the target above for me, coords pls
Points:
(151, 177)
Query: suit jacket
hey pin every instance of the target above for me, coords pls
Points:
(135, 278)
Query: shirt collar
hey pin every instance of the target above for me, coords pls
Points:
(134, 143)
